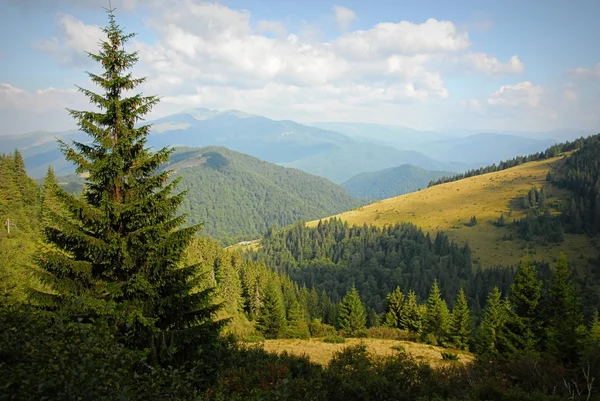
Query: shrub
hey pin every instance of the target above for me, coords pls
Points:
(399, 347)
(449, 356)
(319, 329)
(390, 333)
(334, 339)
(253, 338)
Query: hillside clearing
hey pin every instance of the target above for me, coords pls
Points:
(321, 353)
(448, 207)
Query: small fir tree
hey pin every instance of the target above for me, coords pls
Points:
(271, 320)
(410, 319)
(395, 306)
(351, 316)
(460, 323)
(490, 332)
(437, 317)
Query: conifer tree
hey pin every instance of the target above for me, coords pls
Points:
(395, 306)
(437, 317)
(352, 318)
(410, 319)
(460, 323)
(229, 285)
(524, 320)
(118, 254)
(490, 333)
(564, 320)
(594, 333)
(271, 320)
(297, 327)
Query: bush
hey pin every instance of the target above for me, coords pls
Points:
(334, 339)
(449, 356)
(253, 338)
(319, 329)
(430, 339)
(389, 333)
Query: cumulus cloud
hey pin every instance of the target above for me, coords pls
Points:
(73, 41)
(343, 17)
(13, 98)
(521, 94)
(209, 55)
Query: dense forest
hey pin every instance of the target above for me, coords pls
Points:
(123, 301)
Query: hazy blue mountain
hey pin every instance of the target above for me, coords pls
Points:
(339, 165)
(484, 148)
(392, 135)
(391, 182)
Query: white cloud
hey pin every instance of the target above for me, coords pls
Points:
(587, 72)
(343, 17)
(13, 98)
(73, 41)
(492, 66)
(206, 54)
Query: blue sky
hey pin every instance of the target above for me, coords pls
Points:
(477, 65)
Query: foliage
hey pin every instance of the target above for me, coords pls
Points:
(450, 356)
(334, 339)
(352, 317)
(460, 331)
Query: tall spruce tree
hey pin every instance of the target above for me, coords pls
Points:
(437, 317)
(352, 318)
(461, 331)
(118, 253)
(395, 306)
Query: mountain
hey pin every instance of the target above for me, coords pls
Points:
(484, 148)
(392, 135)
(282, 142)
(239, 197)
(391, 182)
(339, 165)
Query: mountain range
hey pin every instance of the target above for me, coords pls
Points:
(336, 151)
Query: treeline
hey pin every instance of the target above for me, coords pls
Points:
(552, 151)
(334, 256)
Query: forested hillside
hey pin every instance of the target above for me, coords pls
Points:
(238, 197)
(391, 182)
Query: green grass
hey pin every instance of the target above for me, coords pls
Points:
(448, 207)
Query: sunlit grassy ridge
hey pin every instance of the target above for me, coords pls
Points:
(320, 352)
(448, 207)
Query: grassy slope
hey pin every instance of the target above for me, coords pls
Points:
(448, 207)
(321, 352)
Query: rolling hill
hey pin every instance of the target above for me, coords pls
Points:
(449, 207)
(391, 182)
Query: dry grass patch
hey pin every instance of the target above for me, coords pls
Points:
(448, 207)
(321, 353)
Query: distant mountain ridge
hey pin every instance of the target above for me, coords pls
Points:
(391, 182)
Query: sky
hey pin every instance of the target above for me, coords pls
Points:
(527, 65)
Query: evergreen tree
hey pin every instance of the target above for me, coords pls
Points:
(524, 323)
(297, 327)
(229, 285)
(271, 321)
(118, 254)
(437, 317)
(490, 333)
(351, 316)
(564, 320)
(460, 323)
(410, 319)
(395, 306)
(594, 333)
